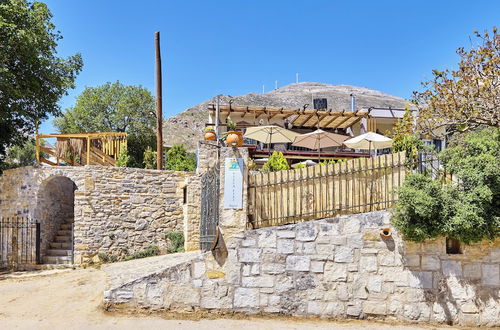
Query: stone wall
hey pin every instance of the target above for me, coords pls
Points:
(332, 268)
(116, 210)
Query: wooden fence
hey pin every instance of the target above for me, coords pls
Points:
(322, 191)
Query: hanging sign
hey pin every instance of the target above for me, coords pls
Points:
(233, 183)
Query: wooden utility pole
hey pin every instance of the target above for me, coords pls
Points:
(159, 133)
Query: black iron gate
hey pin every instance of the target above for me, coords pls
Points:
(209, 208)
(19, 242)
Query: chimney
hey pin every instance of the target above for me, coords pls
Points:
(353, 102)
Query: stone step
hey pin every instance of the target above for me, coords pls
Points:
(64, 232)
(62, 238)
(60, 245)
(59, 252)
(57, 260)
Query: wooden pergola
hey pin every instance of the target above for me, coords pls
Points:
(82, 148)
(299, 118)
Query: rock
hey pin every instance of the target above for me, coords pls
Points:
(298, 263)
(249, 255)
(246, 297)
(306, 232)
(285, 246)
(343, 254)
(491, 274)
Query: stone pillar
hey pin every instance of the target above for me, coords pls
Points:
(208, 155)
(233, 221)
(192, 211)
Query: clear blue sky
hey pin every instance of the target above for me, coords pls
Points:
(234, 47)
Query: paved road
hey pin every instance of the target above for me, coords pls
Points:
(71, 300)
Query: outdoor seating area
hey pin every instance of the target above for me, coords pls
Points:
(80, 149)
(303, 136)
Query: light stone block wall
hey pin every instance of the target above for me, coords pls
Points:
(116, 210)
(331, 268)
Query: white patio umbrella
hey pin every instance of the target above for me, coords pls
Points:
(319, 139)
(370, 140)
(270, 134)
(307, 163)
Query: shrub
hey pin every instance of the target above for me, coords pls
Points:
(177, 240)
(467, 209)
(178, 159)
(277, 162)
(150, 251)
(300, 165)
(150, 158)
(123, 159)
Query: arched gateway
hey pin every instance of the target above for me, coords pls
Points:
(54, 210)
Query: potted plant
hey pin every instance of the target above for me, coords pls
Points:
(210, 134)
(234, 138)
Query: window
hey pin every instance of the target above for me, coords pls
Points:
(453, 246)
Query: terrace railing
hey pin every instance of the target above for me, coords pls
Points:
(322, 191)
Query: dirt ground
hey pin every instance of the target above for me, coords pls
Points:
(72, 300)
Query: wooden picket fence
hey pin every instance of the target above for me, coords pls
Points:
(322, 191)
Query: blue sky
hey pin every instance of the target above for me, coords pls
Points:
(235, 47)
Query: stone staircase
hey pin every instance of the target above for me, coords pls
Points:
(60, 250)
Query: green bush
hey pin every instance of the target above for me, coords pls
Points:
(177, 240)
(149, 158)
(150, 251)
(104, 257)
(123, 159)
(178, 159)
(277, 162)
(467, 209)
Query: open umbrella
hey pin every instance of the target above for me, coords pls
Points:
(319, 139)
(370, 140)
(270, 134)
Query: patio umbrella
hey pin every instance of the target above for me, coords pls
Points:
(319, 139)
(270, 134)
(370, 140)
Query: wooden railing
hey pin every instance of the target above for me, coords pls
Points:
(93, 148)
(322, 191)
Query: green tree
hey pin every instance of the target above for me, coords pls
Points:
(114, 107)
(124, 158)
(178, 159)
(468, 208)
(149, 158)
(466, 98)
(277, 162)
(32, 77)
(22, 155)
(405, 137)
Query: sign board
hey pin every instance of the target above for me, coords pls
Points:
(233, 183)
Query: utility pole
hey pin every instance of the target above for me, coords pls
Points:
(159, 114)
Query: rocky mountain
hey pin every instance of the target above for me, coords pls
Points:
(187, 127)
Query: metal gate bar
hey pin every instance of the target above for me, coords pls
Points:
(19, 242)
(209, 208)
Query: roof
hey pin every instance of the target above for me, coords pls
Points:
(299, 118)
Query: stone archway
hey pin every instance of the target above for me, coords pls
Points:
(55, 211)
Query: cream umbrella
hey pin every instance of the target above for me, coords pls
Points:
(270, 134)
(319, 139)
(370, 140)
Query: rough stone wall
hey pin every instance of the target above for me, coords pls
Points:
(116, 210)
(334, 268)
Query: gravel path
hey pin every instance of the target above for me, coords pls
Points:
(71, 300)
